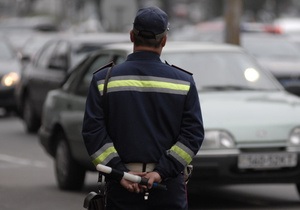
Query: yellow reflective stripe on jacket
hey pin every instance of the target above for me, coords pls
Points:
(181, 153)
(104, 154)
(145, 84)
(101, 87)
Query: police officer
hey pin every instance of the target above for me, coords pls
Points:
(149, 122)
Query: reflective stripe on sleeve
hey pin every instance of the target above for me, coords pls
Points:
(181, 153)
(104, 154)
(145, 84)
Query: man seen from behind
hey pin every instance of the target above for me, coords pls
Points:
(149, 122)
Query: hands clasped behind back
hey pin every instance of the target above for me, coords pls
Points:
(135, 187)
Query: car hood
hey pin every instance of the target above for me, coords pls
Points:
(251, 115)
(7, 66)
(281, 67)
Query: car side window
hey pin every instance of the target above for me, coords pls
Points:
(60, 58)
(45, 56)
(97, 63)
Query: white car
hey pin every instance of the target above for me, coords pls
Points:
(278, 54)
(252, 126)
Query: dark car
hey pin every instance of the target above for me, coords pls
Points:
(33, 44)
(252, 127)
(49, 68)
(10, 68)
(279, 55)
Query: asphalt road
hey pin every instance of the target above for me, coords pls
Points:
(27, 181)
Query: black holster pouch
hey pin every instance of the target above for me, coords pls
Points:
(97, 201)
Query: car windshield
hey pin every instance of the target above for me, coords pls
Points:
(271, 48)
(5, 51)
(222, 70)
(80, 51)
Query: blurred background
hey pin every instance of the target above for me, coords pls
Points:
(186, 16)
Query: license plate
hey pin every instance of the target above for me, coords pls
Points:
(267, 160)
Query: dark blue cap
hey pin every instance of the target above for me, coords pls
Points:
(151, 22)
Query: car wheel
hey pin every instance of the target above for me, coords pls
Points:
(69, 174)
(31, 122)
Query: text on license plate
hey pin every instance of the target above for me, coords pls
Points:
(267, 160)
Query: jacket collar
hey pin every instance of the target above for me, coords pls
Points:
(143, 55)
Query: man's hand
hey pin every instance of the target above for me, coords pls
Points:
(131, 186)
(135, 187)
(153, 177)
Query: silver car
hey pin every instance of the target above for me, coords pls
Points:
(252, 127)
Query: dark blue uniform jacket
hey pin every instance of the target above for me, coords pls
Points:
(150, 114)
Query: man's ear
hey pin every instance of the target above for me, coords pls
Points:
(164, 41)
(131, 36)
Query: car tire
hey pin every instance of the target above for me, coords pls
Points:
(69, 174)
(32, 123)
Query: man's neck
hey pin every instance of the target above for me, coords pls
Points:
(145, 48)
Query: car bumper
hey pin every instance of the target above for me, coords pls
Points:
(223, 169)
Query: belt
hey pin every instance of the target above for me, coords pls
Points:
(140, 167)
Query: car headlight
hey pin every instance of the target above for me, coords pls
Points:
(10, 79)
(295, 137)
(217, 139)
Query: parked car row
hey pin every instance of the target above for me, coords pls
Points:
(49, 68)
(252, 127)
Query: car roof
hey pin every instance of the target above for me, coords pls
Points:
(93, 37)
(87, 42)
(179, 46)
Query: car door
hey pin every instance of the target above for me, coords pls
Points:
(76, 98)
(55, 72)
(36, 76)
